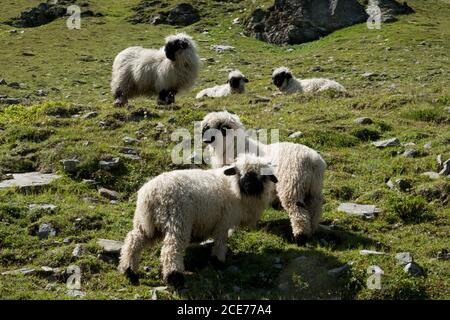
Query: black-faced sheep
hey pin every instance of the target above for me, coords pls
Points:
(196, 204)
(235, 85)
(284, 80)
(164, 72)
(299, 169)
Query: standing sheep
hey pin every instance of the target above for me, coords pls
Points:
(288, 84)
(235, 85)
(299, 169)
(195, 204)
(164, 72)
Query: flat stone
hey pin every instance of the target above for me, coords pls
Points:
(90, 115)
(109, 164)
(77, 251)
(70, 165)
(110, 246)
(363, 120)
(393, 142)
(261, 99)
(11, 101)
(413, 269)
(109, 194)
(29, 180)
(428, 145)
(411, 153)
(46, 230)
(370, 252)
(76, 293)
(45, 207)
(129, 140)
(340, 270)
(431, 175)
(403, 258)
(364, 211)
(443, 255)
(222, 48)
(19, 271)
(369, 75)
(297, 134)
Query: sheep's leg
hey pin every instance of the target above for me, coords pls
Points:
(162, 97)
(135, 242)
(219, 249)
(172, 258)
(314, 207)
(300, 219)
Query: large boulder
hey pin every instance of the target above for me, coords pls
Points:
(183, 14)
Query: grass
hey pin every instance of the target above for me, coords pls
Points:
(408, 100)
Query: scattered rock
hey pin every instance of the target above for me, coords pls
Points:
(74, 293)
(42, 93)
(370, 252)
(411, 153)
(363, 120)
(340, 270)
(236, 21)
(364, 211)
(393, 142)
(109, 164)
(431, 175)
(110, 246)
(30, 180)
(11, 101)
(3, 82)
(260, 99)
(46, 230)
(413, 269)
(90, 115)
(428, 146)
(70, 165)
(400, 184)
(297, 134)
(277, 107)
(24, 271)
(183, 14)
(77, 251)
(44, 207)
(403, 258)
(220, 48)
(369, 75)
(443, 255)
(129, 140)
(109, 194)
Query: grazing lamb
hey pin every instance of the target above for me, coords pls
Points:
(288, 84)
(235, 85)
(164, 72)
(195, 204)
(299, 169)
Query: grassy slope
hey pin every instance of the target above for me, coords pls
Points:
(413, 111)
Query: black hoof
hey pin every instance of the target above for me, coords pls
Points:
(300, 239)
(216, 263)
(175, 279)
(132, 276)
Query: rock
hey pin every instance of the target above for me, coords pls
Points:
(400, 184)
(11, 101)
(160, 126)
(220, 48)
(110, 246)
(370, 252)
(443, 255)
(236, 21)
(297, 134)
(30, 180)
(391, 8)
(50, 287)
(77, 251)
(363, 120)
(70, 165)
(129, 140)
(369, 75)
(431, 175)
(43, 207)
(411, 153)
(42, 93)
(428, 146)
(183, 14)
(403, 258)
(445, 168)
(67, 240)
(393, 142)
(24, 271)
(364, 211)
(109, 194)
(261, 99)
(74, 293)
(277, 107)
(16, 85)
(46, 230)
(413, 269)
(3, 82)
(340, 270)
(109, 164)
(90, 115)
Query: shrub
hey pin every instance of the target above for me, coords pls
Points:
(410, 209)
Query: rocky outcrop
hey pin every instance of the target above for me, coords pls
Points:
(299, 21)
(183, 14)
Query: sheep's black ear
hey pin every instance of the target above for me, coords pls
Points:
(288, 76)
(228, 81)
(246, 80)
(230, 171)
(273, 178)
(170, 50)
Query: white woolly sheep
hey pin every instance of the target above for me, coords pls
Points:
(195, 204)
(164, 72)
(235, 85)
(299, 169)
(282, 78)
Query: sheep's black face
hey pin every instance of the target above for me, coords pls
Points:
(235, 82)
(208, 137)
(174, 46)
(251, 184)
(279, 78)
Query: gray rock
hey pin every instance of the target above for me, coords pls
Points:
(109, 194)
(370, 252)
(109, 164)
(44, 207)
(443, 255)
(129, 140)
(160, 126)
(110, 246)
(411, 153)
(400, 184)
(46, 230)
(363, 120)
(74, 293)
(220, 48)
(42, 93)
(297, 134)
(277, 107)
(393, 142)
(3, 82)
(340, 270)
(183, 14)
(431, 175)
(11, 101)
(77, 251)
(90, 115)
(403, 258)
(70, 165)
(413, 269)
(29, 180)
(439, 161)
(24, 271)
(261, 99)
(428, 146)
(364, 211)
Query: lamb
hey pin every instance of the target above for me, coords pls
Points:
(165, 72)
(284, 80)
(195, 204)
(299, 169)
(235, 85)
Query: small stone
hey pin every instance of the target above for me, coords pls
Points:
(411, 153)
(109, 194)
(24, 271)
(90, 115)
(29, 180)
(78, 251)
(403, 185)
(261, 99)
(368, 75)
(297, 134)
(222, 48)
(129, 140)
(236, 21)
(363, 120)
(44, 207)
(46, 230)
(70, 165)
(11, 101)
(364, 211)
(370, 252)
(50, 287)
(160, 126)
(110, 246)
(147, 269)
(428, 145)
(316, 69)
(403, 258)
(277, 107)
(109, 164)
(42, 93)
(67, 240)
(431, 175)
(413, 269)
(393, 142)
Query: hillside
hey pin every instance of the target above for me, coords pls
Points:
(398, 76)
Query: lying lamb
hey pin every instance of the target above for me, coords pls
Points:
(164, 72)
(235, 85)
(195, 204)
(299, 169)
(288, 84)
